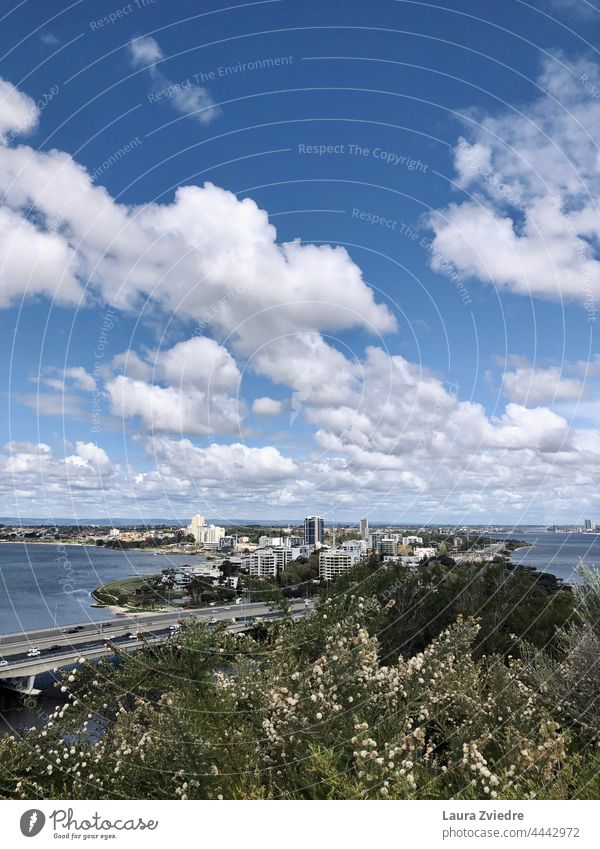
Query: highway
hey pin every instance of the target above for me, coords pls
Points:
(55, 647)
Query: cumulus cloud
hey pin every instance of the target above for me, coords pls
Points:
(218, 464)
(46, 479)
(34, 262)
(529, 385)
(206, 255)
(266, 406)
(531, 221)
(179, 410)
(18, 112)
(185, 97)
(190, 388)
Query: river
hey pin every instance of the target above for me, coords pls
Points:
(43, 585)
(556, 553)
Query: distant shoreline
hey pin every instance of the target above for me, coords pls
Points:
(57, 543)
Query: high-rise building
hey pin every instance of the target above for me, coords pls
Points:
(197, 522)
(375, 538)
(334, 563)
(268, 562)
(387, 546)
(588, 524)
(363, 528)
(314, 531)
(205, 534)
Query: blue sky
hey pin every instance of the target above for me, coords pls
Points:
(271, 260)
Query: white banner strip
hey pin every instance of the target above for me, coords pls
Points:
(351, 824)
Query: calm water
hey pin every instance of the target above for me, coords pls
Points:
(558, 553)
(42, 585)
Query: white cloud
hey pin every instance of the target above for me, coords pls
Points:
(18, 112)
(186, 97)
(35, 473)
(80, 378)
(190, 388)
(180, 410)
(144, 51)
(529, 385)
(33, 262)
(132, 365)
(219, 464)
(531, 223)
(199, 362)
(266, 406)
(206, 255)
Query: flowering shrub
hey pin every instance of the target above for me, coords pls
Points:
(310, 712)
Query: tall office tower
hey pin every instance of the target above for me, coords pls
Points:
(363, 529)
(196, 527)
(314, 530)
(588, 524)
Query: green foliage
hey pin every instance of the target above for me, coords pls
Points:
(399, 685)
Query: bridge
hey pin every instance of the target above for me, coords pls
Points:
(25, 655)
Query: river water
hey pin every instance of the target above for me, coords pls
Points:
(43, 585)
(558, 553)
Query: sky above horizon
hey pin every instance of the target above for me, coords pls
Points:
(268, 260)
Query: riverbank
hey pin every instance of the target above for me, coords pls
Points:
(117, 596)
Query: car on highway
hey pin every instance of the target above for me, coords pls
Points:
(133, 636)
(3, 662)
(33, 653)
(74, 630)
(174, 627)
(56, 647)
(213, 620)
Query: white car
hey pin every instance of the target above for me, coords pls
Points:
(174, 627)
(214, 620)
(3, 662)
(133, 636)
(33, 653)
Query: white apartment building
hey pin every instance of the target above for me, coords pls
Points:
(267, 562)
(412, 540)
(204, 534)
(335, 562)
